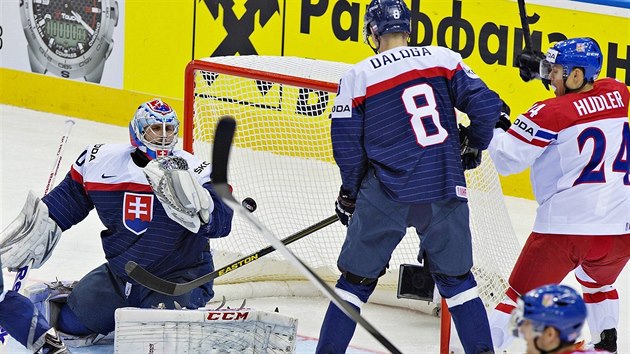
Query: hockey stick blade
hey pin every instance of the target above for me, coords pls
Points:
(220, 156)
(166, 287)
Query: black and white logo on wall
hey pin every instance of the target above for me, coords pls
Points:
(74, 39)
(239, 29)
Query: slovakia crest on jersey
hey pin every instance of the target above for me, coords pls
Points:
(138, 212)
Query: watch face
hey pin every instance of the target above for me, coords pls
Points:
(68, 27)
(69, 38)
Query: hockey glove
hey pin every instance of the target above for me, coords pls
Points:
(31, 236)
(529, 64)
(344, 207)
(183, 198)
(504, 118)
(471, 156)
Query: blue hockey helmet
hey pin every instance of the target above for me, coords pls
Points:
(574, 53)
(557, 306)
(155, 143)
(386, 16)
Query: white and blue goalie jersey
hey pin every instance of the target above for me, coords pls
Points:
(137, 228)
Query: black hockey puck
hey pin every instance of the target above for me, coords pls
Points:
(249, 204)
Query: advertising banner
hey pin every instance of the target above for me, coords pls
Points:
(74, 39)
(488, 34)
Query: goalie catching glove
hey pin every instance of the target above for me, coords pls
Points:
(31, 236)
(183, 198)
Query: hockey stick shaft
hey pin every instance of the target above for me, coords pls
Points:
(22, 273)
(224, 135)
(62, 145)
(525, 24)
(163, 286)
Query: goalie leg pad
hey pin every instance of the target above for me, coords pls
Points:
(20, 318)
(31, 236)
(203, 331)
(50, 299)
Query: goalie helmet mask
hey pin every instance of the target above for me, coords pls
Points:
(583, 53)
(154, 129)
(557, 306)
(386, 16)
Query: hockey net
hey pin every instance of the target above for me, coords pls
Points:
(282, 158)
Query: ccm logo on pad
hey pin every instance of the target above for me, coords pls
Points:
(227, 315)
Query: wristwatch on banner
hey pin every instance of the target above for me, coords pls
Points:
(69, 38)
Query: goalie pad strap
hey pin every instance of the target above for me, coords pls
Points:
(31, 236)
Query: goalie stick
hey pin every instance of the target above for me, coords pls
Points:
(220, 154)
(163, 286)
(22, 273)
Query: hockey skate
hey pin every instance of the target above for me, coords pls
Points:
(53, 344)
(608, 341)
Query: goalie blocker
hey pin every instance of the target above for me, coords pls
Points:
(161, 331)
(31, 237)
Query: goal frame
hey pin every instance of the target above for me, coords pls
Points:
(314, 84)
(189, 88)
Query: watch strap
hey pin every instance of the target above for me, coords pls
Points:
(36, 65)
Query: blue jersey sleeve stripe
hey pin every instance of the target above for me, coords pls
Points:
(545, 135)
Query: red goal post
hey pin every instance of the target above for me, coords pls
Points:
(282, 158)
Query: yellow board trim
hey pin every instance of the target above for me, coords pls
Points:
(74, 98)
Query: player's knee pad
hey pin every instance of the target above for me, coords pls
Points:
(450, 286)
(358, 286)
(359, 280)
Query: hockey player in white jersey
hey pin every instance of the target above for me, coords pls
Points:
(550, 319)
(578, 147)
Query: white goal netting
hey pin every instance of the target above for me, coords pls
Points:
(282, 158)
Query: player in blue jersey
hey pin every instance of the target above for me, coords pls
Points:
(158, 208)
(550, 319)
(396, 141)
